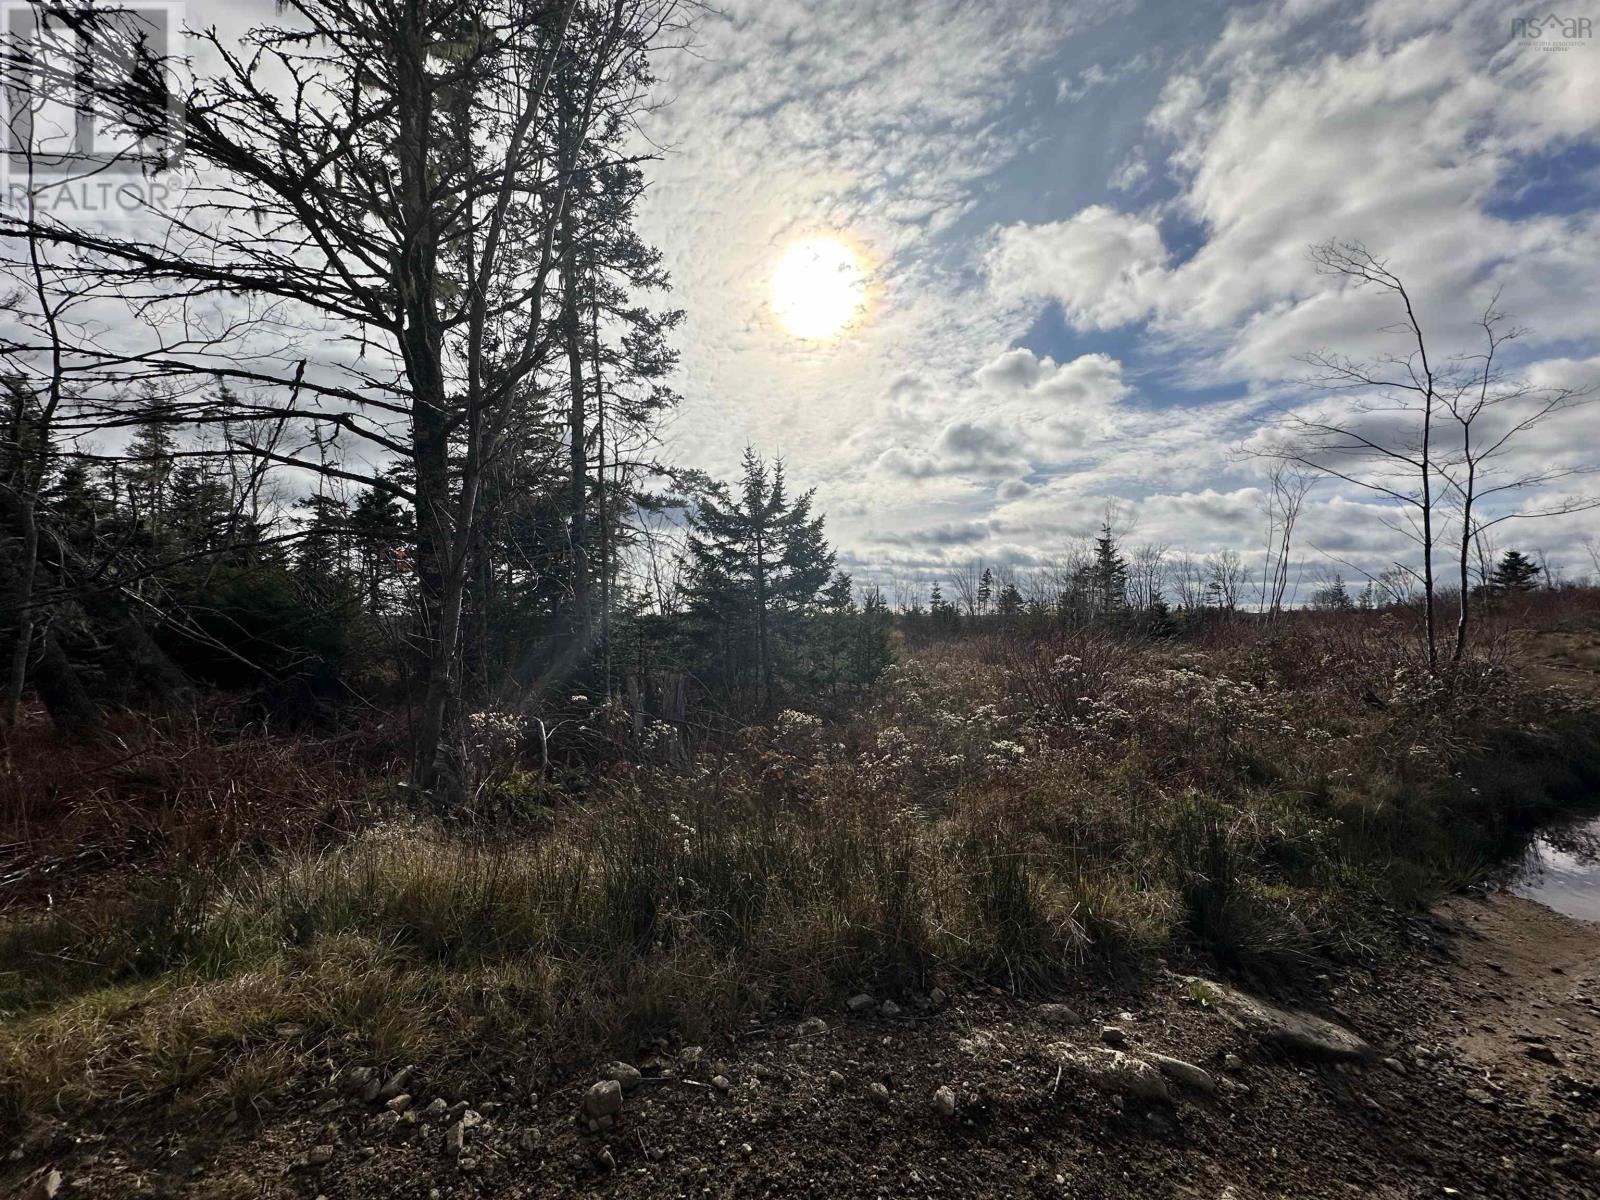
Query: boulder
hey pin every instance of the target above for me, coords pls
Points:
(1115, 1072)
(603, 1099)
(1290, 1030)
(1186, 1074)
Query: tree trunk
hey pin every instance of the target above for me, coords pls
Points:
(576, 432)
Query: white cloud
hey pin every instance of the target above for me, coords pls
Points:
(1104, 267)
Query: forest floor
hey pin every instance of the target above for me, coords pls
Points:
(1482, 1080)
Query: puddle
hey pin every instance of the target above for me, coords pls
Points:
(1561, 868)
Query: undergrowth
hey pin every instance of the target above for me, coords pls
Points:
(1013, 811)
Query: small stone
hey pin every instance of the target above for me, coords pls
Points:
(605, 1158)
(624, 1073)
(1543, 1054)
(889, 1008)
(690, 1055)
(319, 1156)
(944, 1102)
(466, 1164)
(603, 1099)
(45, 1187)
(836, 1081)
(859, 1003)
(1395, 1065)
(1233, 1063)
(746, 1149)
(435, 1110)
(1185, 1073)
(399, 1104)
(879, 1094)
(721, 1082)
(395, 1085)
(455, 1140)
(1114, 1036)
(355, 1081)
(1058, 1014)
(937, 997)
(812, 1026)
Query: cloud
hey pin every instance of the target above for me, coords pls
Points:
(1105, 268)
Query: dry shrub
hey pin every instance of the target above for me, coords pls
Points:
(186, 788)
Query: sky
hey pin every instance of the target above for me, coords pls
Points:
(1086, 227)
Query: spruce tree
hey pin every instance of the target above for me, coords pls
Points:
(1515, 572)
(756, 557)
(1108, 574)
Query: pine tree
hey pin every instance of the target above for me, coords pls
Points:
(755, 558)
(1108, 574)
(985, 590)
(1332, 596)
(1009, 603)
(1515, 572)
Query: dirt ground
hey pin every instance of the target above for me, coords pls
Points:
(1484, 1082)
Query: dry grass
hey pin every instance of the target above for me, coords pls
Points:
(1006, 810)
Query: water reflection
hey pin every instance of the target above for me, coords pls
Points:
(1562, 869)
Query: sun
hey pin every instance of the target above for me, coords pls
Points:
(819, 288)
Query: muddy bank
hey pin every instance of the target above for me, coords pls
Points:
(1482, 1080)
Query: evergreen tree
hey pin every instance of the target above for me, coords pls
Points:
(756, 557)
(1332, 596)
(1515, 572)
(1108, 574)
(985, 590)
(1009, 603)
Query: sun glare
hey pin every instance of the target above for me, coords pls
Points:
(819, 288)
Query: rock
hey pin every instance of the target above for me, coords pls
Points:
(45, 1187)
(603, 1099)
(455, 1140)
(466, 1164)
(879, 1094)
(319, 1156)
(399, 1104)
(1395, 1065)
(1296, 1032)
(746, 1149)
(1543, 1054)
(889, 1008)
(690, 1056)
(1058, 1014)
(1114, 1035)
(386, 1122)
(721, 1082)
(937, 997)
(1232, 1063)
(812, 1027)
(624, 1073)
(435, 1110)
(605, 1159)
(859, 1003)
(1115, 1072)
(356, 1080)
(394, 1086)
(1184, 1073)
(944, 1102)
(1479, 1096)
(835, 1080)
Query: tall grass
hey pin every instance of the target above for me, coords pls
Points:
(1015, 813)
